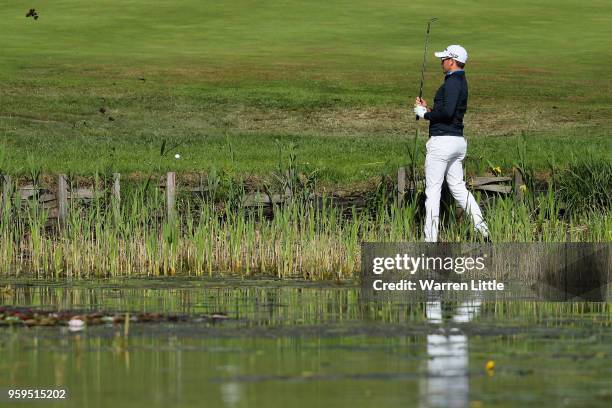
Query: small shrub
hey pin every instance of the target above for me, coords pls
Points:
(586, 186)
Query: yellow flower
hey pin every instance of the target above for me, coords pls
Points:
(497, 170)
(523, 188)
(490, 366)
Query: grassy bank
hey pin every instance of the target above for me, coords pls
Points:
(83, 90)
(302, 238)
(337, 160)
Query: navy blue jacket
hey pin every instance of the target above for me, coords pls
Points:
(450, 104)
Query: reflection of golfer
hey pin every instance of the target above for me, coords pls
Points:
(447, 383)
(446, 147)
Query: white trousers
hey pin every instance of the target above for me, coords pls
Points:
(444, 158)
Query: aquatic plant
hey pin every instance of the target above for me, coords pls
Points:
(586, 185)
(303, 237)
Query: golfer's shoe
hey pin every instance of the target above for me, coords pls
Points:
(482, 229)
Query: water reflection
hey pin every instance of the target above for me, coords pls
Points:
(447, 381)
(311, 346)
(231, 392)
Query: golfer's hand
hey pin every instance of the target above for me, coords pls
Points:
(420, 102)
(420, 111)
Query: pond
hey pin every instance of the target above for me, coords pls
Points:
(302, 344)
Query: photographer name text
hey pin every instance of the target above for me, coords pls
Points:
(432, 285)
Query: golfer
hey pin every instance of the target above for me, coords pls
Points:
(446, 147)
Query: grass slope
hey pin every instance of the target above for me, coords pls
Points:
(229, 81)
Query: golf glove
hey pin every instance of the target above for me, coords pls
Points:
(420, 111)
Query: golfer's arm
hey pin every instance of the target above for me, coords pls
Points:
(445, 112)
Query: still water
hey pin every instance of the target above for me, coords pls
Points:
(304, 345)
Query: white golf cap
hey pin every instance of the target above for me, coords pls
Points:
(456, 52)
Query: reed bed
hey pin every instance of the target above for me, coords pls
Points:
(304, 238)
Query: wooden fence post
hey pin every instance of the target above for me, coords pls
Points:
(401, 184)
(116, 195)
(170, 194)
(7, 185)
(116, 190)
(518, 183)
(62, 197)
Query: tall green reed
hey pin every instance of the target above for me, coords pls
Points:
(305, 236)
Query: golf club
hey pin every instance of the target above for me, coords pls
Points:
(425, 59)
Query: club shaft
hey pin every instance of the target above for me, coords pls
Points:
(424, 60)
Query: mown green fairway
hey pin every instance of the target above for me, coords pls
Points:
(231, 81)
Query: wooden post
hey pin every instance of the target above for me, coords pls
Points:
(62, 197)
(170, 194)
(401, 185)
(116, 190)
(518, 183)
(116, 195)
(7, 185)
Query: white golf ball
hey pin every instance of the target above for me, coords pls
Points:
(177, 156)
